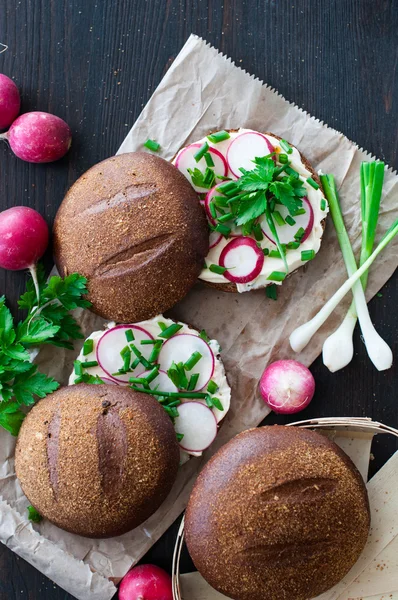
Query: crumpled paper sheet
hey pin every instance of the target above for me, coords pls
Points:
(203, 91)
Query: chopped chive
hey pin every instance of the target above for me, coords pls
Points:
(124, 351)
(217, 403)
(79, 380)
(285, 146)
(152, 374)
(139, 380)
(134, 364)
(193, 381)
(180, 437)
(272, 204)
(162, 325)
(196, 395)
(223, 229)
(278, 218)
(203, 335)
(277, 276)
(34, 515)
(209, 403)
(290, 221)
(147, 342)
(218, 136)
(274, 254)
(217, 269)
(220, 201)
(182, 375)
(266, 251)
(170, 331)
(89, 363)
(155, 352)
(312, 183)
(174, 374)
(299, 211)
(223, 178)
(212, 209)
(258, 232)
(291, 172)
(201, 152)
(209, 177)
(209, 159)
(307, 255)
(323, 204)
(271, 291)
(88, 347)
(293, 245)
(135, 350)
(129, 335)
(283, 158)
(227, 187)
(299, 234)
(77, 365)
(126, 361)
(192, 361)
(152, 145)
(212, 387)
(226, 217)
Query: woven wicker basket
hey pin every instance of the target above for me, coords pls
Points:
(354, 424)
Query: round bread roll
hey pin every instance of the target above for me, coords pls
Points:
(134, 227)
(97, 460)
(278, 512)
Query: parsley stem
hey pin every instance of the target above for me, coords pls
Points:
(272, 227)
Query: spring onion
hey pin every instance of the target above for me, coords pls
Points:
(77, 365)
(224, 218)
(129, 335)
(283, 158)
(153, 373)
(285, 146)
(224, 230)
(271, 291)
(192, 361)
(152, 145)
(312, 183)
(194, 395)
(88, 364)
(290, 221)
(258, 232)
(307, 255)
(229, 188)
(201, 152)
(218, 136)
(217, 269)
(278, 218)
(193, 381)
(209, 159)
(155, 352)
(212, 387)
(170, 331)
(88, 347)
(323, 204)
(293, 245)
(299, 234)
(274, 254)
(277, 276)
(303, 334)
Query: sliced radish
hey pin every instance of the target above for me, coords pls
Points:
(109, 381)
(286, 232)
(209, 196)
(162, 382)
(214, 239)
(243, 259)
(185, 160)
(197, 423)
(244, 149)
(112, 342)
(180, 348)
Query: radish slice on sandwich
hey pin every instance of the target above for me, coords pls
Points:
(209, 197)
(109, 381)
(244, 149)
(113, 342)
(243, 260)
(197, 424)
(286, 232)
(181, 348)
(162, 382)
(185, 160)
(214, 239)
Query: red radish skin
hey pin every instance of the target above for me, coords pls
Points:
(185, 160)
(146, 582)
(287, 386)
(245, 148)
(214, 239)
(286, 232)
(109, 381)
(23, 238)
(243, 259)
(10, 101)
(39, 137)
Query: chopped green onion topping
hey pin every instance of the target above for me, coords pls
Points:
(77, 365)
(277, 276)
(224, 218)
(170, 331)
(180, 437)
(152, 374)
(140, 380)
(129, 335)
(196, 395)
(217, 269)
(274, 254)
(209, 177)
(212, 209)
(209, 159)
(201, 152)
(293, 245)
(192, 361)
(290, 221)
(265, 251)
(323, 204)
(134, 364)
(223, 229)
(152, 145)
(135, 350)
(283, 159)
(193, 381)
(229, 188)
(88, 347)
(220, 201)
(307, 254)
(162, 325)
(299, 211)
(313, 183)
(89, 363)
(125, 351)
(278, 218)
(258, 232)
(155, 352)
(285, 146)
(34, 515)
(291, 172)
(203, 335)
(147, 342)
(212, 387)
(271, 291)
(217, 403)
(299, 234)
(218, 136)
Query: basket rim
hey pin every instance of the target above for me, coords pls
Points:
(347, 423)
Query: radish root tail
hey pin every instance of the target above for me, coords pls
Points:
(33, 272)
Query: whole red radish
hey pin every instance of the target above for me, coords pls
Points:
(146, 582)
(10, 101)
(287, 386)
(39, 137)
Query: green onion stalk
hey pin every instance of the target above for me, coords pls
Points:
(338, 348)
(301, 336)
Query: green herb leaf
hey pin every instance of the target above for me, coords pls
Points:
(251, 207)
(36, 384)
(11, 417)
(33, 515)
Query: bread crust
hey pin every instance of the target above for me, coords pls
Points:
(278, 512)
(134, 227)
(97, 460)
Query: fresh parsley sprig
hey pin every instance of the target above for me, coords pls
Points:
(48, 322)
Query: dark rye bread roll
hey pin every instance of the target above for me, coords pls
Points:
(279, 513)
(97, 460)
(134, 227)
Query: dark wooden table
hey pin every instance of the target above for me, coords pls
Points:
(95, 63)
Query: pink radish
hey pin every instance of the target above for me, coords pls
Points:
(112, 343)
(197, 423)
(287, 386)
(180, 348)
(214, 239)
(185, 160)
(244, 149)
(109, 381)
(10, 101)
(162, 382)
(243, 259)
(23, 240)
(286, 232)
(146, 582)
(209, 196)
(39, 137)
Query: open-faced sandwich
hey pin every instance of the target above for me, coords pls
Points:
(264, 204)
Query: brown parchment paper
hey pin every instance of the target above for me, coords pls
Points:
(202, 91)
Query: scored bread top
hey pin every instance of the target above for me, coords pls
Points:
(278, 512)
(97, 460)
(134, 227)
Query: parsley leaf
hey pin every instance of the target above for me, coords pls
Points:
(285, 193)
(11, 417)
(251, 207)
(32, 383)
